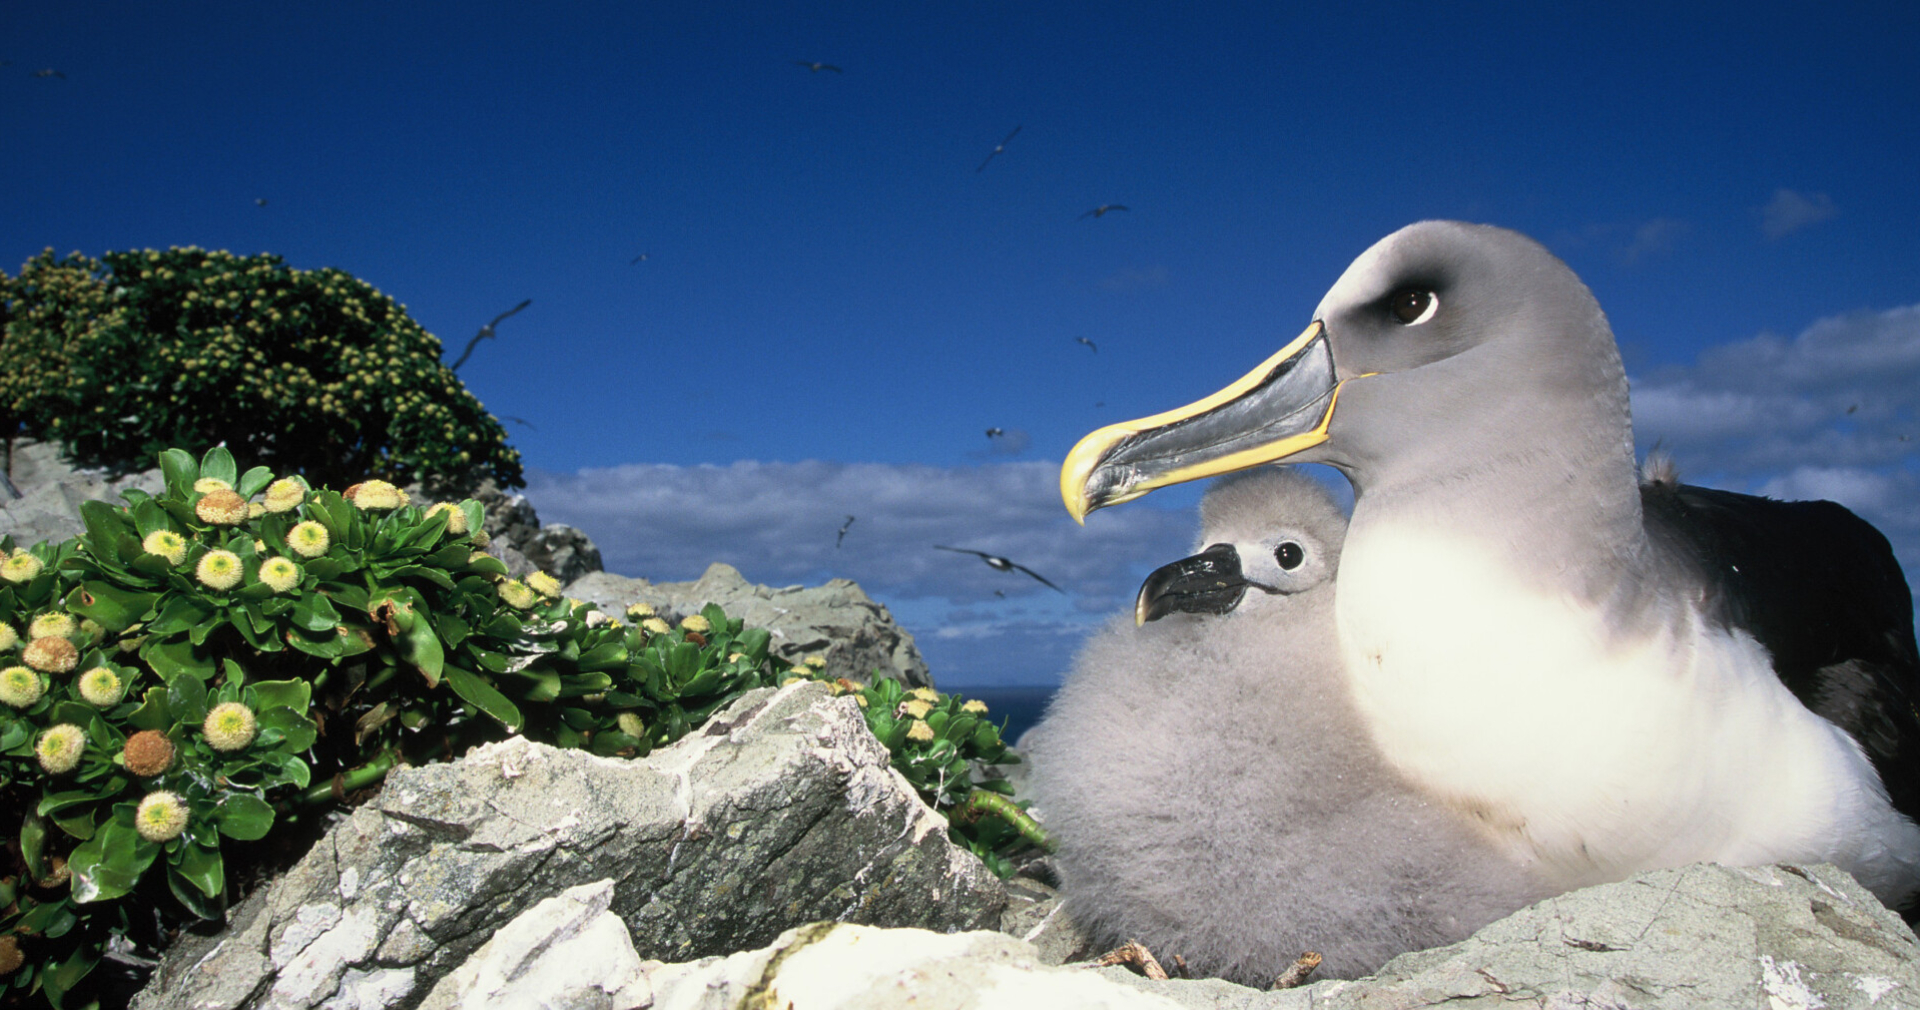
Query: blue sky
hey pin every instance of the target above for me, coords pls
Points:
(835, 305)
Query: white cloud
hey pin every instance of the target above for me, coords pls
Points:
(1832, 413)
(1788, 212)
(777, 523)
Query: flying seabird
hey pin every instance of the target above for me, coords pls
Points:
(1101, 211)
(1000, 564)
(1210, 787)
(1608, 678)
(486, 333)
(637, 259)
(816, 66)
(50, 72)
(997, 148)
(842, 535)
(1089, 344)
(995, 432)
(259, 201)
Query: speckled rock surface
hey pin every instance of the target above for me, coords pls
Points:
(1772, 937)
(838, 620)
(781, 811)
(51, 492)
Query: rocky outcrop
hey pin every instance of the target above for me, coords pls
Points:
(782, 810)
(51, 491)
(839, 621)
(1783, 937)
(526, 545)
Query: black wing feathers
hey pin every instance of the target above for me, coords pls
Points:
(1819, 587)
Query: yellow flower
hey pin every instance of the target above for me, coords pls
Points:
(161, 817)
(544, 584)
(148, 753)
(59, 748)
(20, 567)
(20, 686)
(919, 732)
(285, 495)
(207, 485)
(51, 655)
(376, 494)
(696, 623)
(309, 539)
(631, 725)
(52, 624)
(8, 637)
(280, 574)
(816, 661)
(102, 687)
(656, 626)
(218, 569)
(230, 726)
(639, 611)
(516, 594)
(924, 694)
(166, 544)
(976, 706)
(456, 519)
(916, 707)
(255, 510)
(221, 508)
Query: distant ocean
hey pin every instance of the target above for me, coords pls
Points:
(1019, 707)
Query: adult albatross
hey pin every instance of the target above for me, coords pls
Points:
(1608, 678)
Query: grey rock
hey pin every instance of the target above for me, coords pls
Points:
(851, 967)
(52, 489)
(568, 952)
(838, 620)
(1036, 915)
(522, 541)
(1780, 937)
(782, 810)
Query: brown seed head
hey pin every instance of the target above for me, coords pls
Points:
(149, 753)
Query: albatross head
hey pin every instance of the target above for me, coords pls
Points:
(1443, 344)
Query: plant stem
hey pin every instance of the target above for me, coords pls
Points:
(982, 801)
(357, 779)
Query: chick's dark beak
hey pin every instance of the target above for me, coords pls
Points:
(1209, 582)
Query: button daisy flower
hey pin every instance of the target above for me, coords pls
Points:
(230, 726)
(20, 567)
(161, 817)
(166, 544)
(20, 687)
(102, 687)
(309, 539)
(280, 574)
(59, 748)
(218, 569)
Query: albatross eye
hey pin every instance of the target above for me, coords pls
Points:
(1412, 306)
(1289, 554)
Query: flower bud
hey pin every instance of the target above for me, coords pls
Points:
(218, 569)
(20, 687)
(59, 748)
(221, 508)
(102, 687)
(148, 753)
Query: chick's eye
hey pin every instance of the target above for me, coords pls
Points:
(1289, 554)
(1412, 306)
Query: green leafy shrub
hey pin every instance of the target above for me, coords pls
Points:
(186, 685)
(302, 371)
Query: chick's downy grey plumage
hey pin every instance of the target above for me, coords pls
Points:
(1214, 795)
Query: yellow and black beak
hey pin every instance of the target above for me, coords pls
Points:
(1278, 409)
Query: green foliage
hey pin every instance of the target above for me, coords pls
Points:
(359, 632)
(302, 371)
(951, 753)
